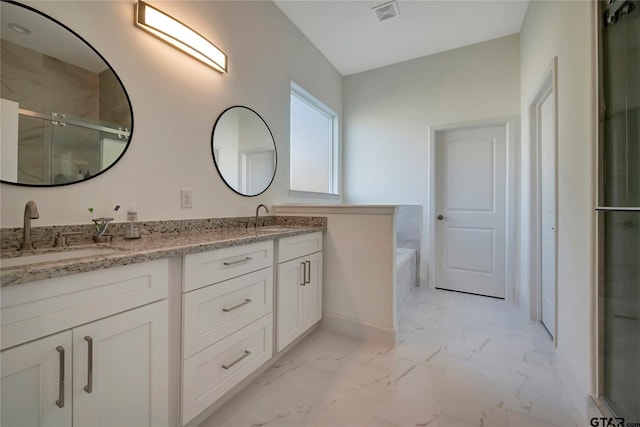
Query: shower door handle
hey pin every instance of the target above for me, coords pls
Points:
(617, 209)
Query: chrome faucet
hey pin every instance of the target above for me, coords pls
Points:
(30, 212)
(266, 209)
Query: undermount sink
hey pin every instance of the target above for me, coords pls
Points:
(54, 256)
(274, 228)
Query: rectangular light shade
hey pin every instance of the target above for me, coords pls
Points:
(179, 35)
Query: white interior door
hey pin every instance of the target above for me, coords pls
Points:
(471, 210)
(548, 213)
(257, 171)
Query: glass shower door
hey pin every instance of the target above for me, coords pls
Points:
(59, 148)
(75, 151)
(620, 208)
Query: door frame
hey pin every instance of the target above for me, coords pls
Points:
(511, 125)
(548, 85)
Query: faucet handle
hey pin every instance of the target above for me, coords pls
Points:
(61, 239)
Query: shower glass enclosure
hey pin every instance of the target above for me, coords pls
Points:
(58, 148)
(619, 217)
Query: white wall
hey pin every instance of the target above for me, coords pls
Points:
(566, 29)
(176, 101)
(388, 111)
(9, 139)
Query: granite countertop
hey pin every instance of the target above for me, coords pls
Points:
(148, 248)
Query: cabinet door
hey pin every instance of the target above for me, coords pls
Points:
(290, 287)
(312, 293)
(31, 378)
(120, 369)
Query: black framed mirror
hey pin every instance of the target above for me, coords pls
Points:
(244, 151)
(66, 116)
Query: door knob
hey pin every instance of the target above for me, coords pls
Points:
(440, 217)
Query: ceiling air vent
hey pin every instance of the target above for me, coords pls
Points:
(386, 11)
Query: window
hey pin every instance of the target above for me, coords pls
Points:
(313, 154)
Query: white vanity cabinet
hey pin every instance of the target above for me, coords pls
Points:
(36, 383)
(107, 362)
(227, 321)
(299, 286)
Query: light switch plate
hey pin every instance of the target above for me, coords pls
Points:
(186, 198)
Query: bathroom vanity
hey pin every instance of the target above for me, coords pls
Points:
(89, 340)
(74, 348)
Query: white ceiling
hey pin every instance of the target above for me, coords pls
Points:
(48, 38)
(350, 37)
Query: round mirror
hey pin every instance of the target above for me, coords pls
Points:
(244, 151)
(66, 116)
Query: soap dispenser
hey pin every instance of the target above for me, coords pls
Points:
(132, 231)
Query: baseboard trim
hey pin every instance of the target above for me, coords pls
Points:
(360, 330)
(598, 408)
(576, 392)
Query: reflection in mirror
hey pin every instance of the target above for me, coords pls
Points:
(65, 115)
(244, 151)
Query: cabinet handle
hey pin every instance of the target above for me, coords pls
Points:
(308, 271)
(304, 273)
(240, 261)
(247, 301)
(230, 365)
(89, 387)
(60, 401)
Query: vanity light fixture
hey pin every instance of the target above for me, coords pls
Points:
(174, 32)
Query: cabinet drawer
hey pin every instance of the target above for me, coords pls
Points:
(208, 375)
(211, 267)
(214, 312)
(297, 246)
(36, 309)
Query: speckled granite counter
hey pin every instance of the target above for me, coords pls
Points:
(149, 247)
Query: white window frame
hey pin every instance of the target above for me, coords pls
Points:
(334, 146)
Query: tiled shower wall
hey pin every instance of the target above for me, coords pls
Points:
(407, 221)
(408, 230)
(44, 84)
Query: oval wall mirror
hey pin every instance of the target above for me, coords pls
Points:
(244, 151)
(66, 116)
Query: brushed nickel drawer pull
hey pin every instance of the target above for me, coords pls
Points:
(60, 401)
(89, 387)
(246, 301)
(307, 279)
(230, 365)
(304, 273)
(240, 261)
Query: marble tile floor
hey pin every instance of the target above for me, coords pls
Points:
(462, 360)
